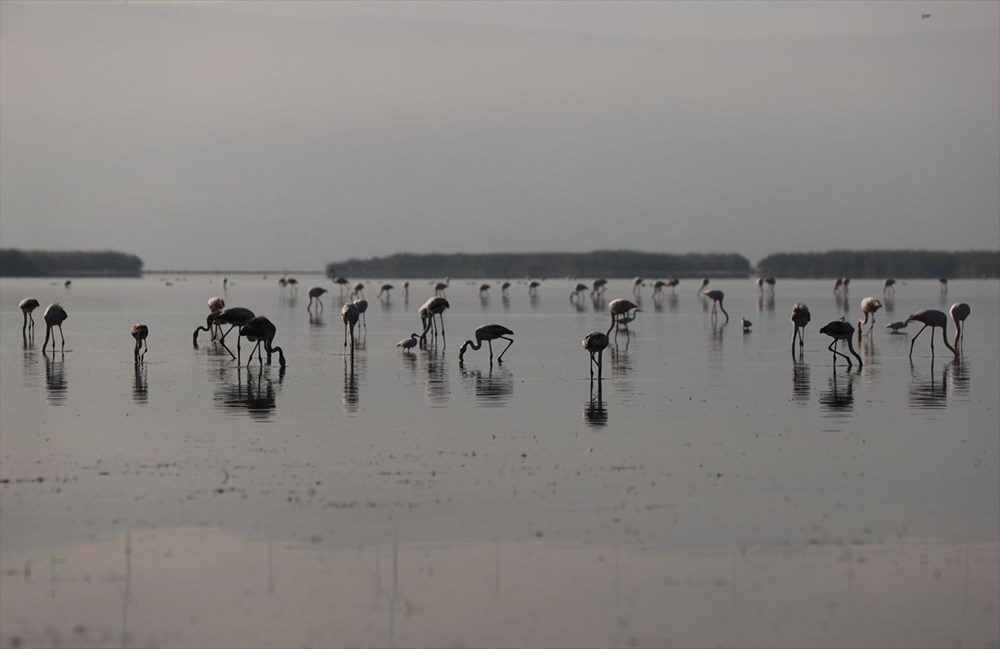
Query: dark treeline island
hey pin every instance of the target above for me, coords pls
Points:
(68, 263)
(879, 264)
(599, 263)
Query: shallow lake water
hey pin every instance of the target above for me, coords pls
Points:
(710, 491)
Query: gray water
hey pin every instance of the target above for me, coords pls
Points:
(710, 491)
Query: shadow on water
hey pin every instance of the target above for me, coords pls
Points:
(56, 385)
(838, 399)
(437, 377)
(493, 389)
(354, 372)
(30, 374)
(800, 380)
(255, 396)
(622, 364)
(140, 386)
(927, 391)
(595, 411)
(958, 372)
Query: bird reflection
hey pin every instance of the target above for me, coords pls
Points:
(494, 388)
(839, 398)
(958, 372)
(55, 378)
(595, 412)
(351, 396)
(621, 363)
(140, 387)
(256, 397)
(437, 377)
(925, 391)
(800, 379)
(315, 319)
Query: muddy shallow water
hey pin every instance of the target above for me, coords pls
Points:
(710, 491)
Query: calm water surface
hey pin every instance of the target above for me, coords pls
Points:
(711, 491)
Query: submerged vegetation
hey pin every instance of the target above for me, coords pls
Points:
(599, 263)
(72, 263)
(883, 263)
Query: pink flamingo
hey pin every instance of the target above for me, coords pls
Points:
(931, 318)
(800, 318)
(54, 316)
(27, 305)
(314, 294)
(717, 296)
(869, 306)
(619, 310)
(595, 343)
(435, 306)
(349, 314)
(959, 312)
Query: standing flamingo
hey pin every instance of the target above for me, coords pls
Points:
(408, 343)
(294, 284)
(314, 294)
(533, 288)
(869, 306)
(261, 331)
(342, 283)
(770, 281)
(54, 316)
(503, 289)
(931, 318)
(595, 343)
(636, 286)
(441, 286)
(358, 291)
(760, 285)
(704, 283)
(349, 314)
(619, 310)
(672, 282)
(599, 286)
(841, 330)
(944, 285)
(800, 318)
(27, 305)
(489, 333)
(889, 288)
(484, 291)
(577, 293)
(717, 296)
(140, 332)
(406, 291)
(959, 312)
(658, 287)
(435, 306)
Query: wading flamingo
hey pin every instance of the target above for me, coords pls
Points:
(140, 332)
(595, 343)
(959, 312)
(27, 305)
(236, 316)
(261, 331)
(841, 330)
(800, 318)
(349, 314)
(717, 296)
(619, 310)
(869, 306)
(435, 306)
(314, 294)
(489, 333)
(54, 316)
(931, 318)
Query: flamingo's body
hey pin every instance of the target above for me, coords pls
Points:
(717, 296)
(931, 318)
(216, 304)
(484, 291)
(503, 288)
(261, 331)
(944, 285)
(314, 294)
(435, 306)
(959, 312)
(27, 305)
(349, 314)
(362, 306)
(441, 286)
(619, 310)
(869, 306)
(889, 288)
(408, 343)
(236, 316)
(342, 283)
(533, 287)
(140, 332)
(636, 286)
(384, 289)
(658, 287)
(704, 283)
(358, 290)
(841, 330)
(770, 281)
(672, 282)
(595, 343)
(800, 318)
(54, 316)
(489, 333)
(598, 287)
(578, 292)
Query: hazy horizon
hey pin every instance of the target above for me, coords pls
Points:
(290, 135)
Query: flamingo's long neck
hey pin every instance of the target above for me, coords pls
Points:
(944, 338)
(850, 346)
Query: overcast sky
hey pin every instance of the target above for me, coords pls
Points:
(250, 135)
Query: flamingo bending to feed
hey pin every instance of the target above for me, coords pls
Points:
(362, 306)
(959, 312)
(236, 316)
(578, 292)
(314, 294)
(358, 290)
(489, 333)
(931, 318)
(210, 325)
(800, 318)
(595, 343)
(54, 316)
(140, 332)
(27, 305)
(619, 310)
(261, 331)
(384, 289)
(841, 330)
(717, 296)
(349, 314)
(869, 306)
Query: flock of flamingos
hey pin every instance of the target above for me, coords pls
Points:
(260, 330)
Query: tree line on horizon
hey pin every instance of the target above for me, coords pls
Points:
(73, 263)
(874, 264)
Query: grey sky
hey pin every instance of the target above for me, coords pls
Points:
(253, 135)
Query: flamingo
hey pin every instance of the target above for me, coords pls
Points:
(959, 312)
(408, 343)
(54, 316)
(704, 283)
(619, 310)
(342, 283)
(841, 330)
(717, 296)
(140, 332)
(362, 306)
(489, 333)
(944, 285)
(503, 289)
(385, 288)
(869, 306)
(770, 281)
(889, 288)
(838, 284)
(216, 304)
(760, 284)
(441, 286)
(533, 288)
(484, 291)
(27, 305)
(658, 289)
(209, 324)
(406, 291)
(577, 292)
(236, 316)
(314, 294)
(349, 314)
(598, 287)
(931, 318)
(282, 282)
(595, 343)
(261, 331)
(435, 306)
(800, 318)
(358, 290)
(294, 283)
(636, 286)
(672, 281)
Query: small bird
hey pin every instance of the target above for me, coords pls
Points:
(314, 294)
(595, 343)
(931, 318)
(746, 324)
(261, 331)
(896, 327)
(959, 312)
(54, 316)
(408, 343)
(27, 305)
(140, 332)
(841, 330)
(489, 333)
(800, 318)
